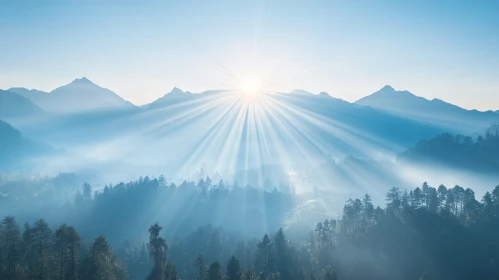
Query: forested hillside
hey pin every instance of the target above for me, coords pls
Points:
(424, 233)
(465, 152)
(243, 211)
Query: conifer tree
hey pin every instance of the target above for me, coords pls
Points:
(233, 269)
(214, 271)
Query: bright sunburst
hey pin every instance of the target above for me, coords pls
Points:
(250, 86)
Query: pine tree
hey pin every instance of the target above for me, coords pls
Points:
(171, 272)
(417, 198)
(101, 254)
(368, 210)
(393, 198)
(214, 271)
(233, 269)
(105, 262)
(283, 255)
(157, 251)
(442, 196)
(73, 243)
(87, 191)
(100, 263)
(199, 268)
(28, 252)
(10, 247)
(264, 255)
(67, 242)
(42, 246)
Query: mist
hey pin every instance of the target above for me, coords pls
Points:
(249, 140)
(289, 178)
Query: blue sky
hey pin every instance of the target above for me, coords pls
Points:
(436, 49)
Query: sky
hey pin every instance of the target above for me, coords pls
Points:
(350, 49)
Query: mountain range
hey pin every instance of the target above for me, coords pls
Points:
(180, 126)
(435, 111)
(81, 95)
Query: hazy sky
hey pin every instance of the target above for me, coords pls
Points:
(443, 49)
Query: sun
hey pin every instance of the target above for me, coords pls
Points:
(250, 86)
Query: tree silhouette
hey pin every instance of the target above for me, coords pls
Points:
(214, 271)
(233, 269)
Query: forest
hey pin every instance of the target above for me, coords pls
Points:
(249, 140)
(458, 151)
(424, 233)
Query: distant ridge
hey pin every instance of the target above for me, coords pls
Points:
(301, 92)
(174, 96)
(33, 95)
(324, 94)
(81, 95)
(15, 150)
(177, 96)
(13, 105)
(436, 111)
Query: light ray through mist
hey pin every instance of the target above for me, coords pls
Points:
(229, 132)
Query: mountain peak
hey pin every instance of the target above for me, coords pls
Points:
(387, 88)
(82, 80)
(176, 90)
(82, 95)
(388, 95)
(390, 91)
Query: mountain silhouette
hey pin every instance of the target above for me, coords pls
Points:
(14, 106)
(81, 95)
(176, 95)
(301, 92)
(33, 95)
(181, 122)
(434, 111)
(16, 150)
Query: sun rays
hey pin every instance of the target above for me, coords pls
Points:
(231, 132)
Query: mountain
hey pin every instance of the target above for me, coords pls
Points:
(33, 95)
(215, 127)
(14, 106)
(324, 94)
(15, 150)
(301, 92)
(434, 111)
(81, 95)
(354, 118)
(201, 127)
(176, 95)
